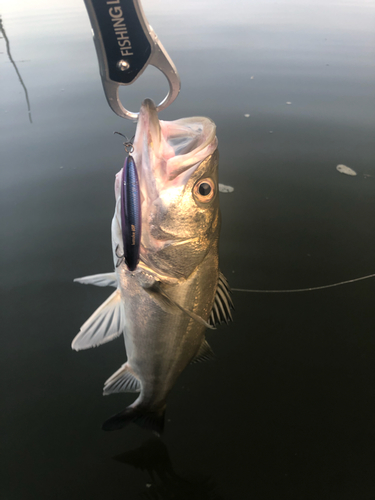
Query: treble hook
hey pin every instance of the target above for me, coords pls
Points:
(120, 258)
(128, 145)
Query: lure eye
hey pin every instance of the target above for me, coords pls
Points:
(204, 190)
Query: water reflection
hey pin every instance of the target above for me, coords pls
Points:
(164, 483)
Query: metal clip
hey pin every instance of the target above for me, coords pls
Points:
(126, 44)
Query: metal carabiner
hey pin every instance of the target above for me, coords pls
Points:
(126, 44)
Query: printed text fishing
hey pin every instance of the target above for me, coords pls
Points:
(120, 28)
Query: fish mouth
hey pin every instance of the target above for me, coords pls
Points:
(165, 150)
(167, 153)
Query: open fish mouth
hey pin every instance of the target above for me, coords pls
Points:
(166, 154)
(165, 150)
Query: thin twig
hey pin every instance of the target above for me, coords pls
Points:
(2, 30)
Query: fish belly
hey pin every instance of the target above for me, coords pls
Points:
(160, 344)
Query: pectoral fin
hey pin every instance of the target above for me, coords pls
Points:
(107, 323)
(106, 279)
(221, 310)
(169, 305)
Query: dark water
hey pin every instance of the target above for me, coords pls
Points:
(287, 408)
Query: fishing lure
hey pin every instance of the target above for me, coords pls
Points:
(130, 211)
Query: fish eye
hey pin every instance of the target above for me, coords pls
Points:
(204, 190)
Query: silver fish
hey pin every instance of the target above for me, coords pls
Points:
(165, 305)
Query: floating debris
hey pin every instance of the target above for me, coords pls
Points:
(225, 189)
(246, 115)
(251, 78)
(343, 169)
(288, 102)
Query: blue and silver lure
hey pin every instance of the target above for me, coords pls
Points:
(130, 214)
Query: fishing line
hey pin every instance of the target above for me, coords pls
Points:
(305, 289)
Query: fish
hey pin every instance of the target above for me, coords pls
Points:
(176, 292)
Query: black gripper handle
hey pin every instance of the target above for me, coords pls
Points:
(122, 41)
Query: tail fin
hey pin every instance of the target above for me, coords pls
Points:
(153, 420)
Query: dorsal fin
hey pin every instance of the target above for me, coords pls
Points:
(221, 309)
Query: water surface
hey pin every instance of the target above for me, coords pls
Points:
(286, 410)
